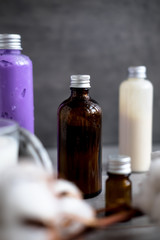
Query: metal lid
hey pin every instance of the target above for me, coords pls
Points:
(119, 164)
(10, 41)
(137, 72)
(80, 81)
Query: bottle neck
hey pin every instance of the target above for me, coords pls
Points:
(118, 176)
(80, 92)
(9, 51)
(135, 79)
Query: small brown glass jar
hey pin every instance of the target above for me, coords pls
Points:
(118, 185)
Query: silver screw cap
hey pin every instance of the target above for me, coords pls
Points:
(119, 164)
(10, 41)
(137, 72)
(80, 81)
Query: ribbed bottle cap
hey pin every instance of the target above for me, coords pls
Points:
(80, 81)
(10, 41)
(137, 72)
(119, 164)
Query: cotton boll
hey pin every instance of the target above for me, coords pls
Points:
(145, 197)
(148, 197)
(26, 196)
(63, 188)
(155, 210)
(32, 200)
(29, 200)
(25, 172)
(154, 175)
(19, 232)
(74, 215)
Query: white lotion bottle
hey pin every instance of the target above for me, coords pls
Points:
(135, 118)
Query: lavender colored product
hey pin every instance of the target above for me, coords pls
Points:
(16, 82)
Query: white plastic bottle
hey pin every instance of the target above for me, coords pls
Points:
(135, 118)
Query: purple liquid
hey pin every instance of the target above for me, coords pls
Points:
(16, 88)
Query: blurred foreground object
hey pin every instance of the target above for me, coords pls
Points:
(14, 139)
(148, 197)
(34, 205)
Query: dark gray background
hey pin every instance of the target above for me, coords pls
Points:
(97, 37)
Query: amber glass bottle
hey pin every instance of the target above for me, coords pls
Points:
(79, 138)
(118, 184)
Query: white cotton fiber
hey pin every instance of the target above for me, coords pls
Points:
(148, 197)
(34, 201)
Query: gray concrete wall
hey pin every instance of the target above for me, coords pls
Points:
(97, 37)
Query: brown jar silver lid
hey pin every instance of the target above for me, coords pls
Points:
(119, 164)
(80, 81)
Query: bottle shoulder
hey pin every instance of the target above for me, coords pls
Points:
(8, 60)
(80, 106)
(133, 83)
(118, 178)
(76, 103)
(64, 104)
